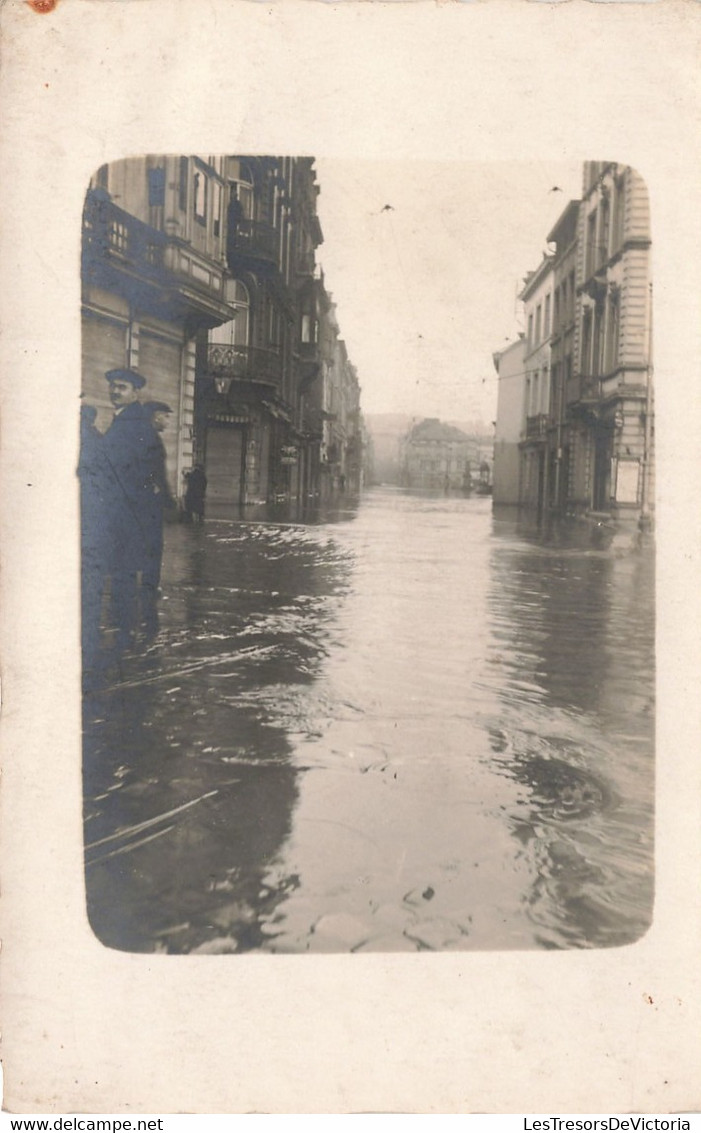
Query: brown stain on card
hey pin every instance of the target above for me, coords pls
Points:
(42, 6)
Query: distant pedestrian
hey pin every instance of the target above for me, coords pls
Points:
(133, 458)
(195, 491)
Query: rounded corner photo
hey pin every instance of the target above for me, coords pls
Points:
(367, 486)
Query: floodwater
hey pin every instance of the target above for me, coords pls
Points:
(410, 725)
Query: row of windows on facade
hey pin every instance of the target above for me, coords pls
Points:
(603, 240)
(443, 465)
(537, 393)
(209, 190)
(600, 340)
(599, 356)
(237, 332)
(563, 310)
(605, 227)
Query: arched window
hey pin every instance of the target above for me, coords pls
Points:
(236, 332)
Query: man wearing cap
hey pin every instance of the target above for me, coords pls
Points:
(133, 455)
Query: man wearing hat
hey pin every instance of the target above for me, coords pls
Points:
(133, 456)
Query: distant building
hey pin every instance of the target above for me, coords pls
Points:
(388, 431)
(437, 456)
(511, 412)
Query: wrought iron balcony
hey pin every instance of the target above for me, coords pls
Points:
(537, 427)
(244, 364)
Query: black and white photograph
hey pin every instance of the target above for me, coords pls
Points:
(348, 558)
(367, 484)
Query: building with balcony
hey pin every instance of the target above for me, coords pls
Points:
(201, 273)
(609, 397)
(563, 238)
(154, 277)
(588, 446)
(259, 374)
(537, 299)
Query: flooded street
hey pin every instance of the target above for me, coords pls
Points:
(411, 725)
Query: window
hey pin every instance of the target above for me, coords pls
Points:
(308, 328)
(554, 392)
(530, 331)
(537, 323)
(200, 185)
(546, 328)
(591, 261)
(619, 213)
(605, 221)
(598, 343)
(612, 334)
(216, 208)
(119, 237)
(556, 313)
(586, 343)
(182, 187)
(157, 187)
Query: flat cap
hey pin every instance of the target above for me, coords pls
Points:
(156, 407)
(126, 376)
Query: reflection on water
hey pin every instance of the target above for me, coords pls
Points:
(407, 725)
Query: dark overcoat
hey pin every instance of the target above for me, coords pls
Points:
(132, 451)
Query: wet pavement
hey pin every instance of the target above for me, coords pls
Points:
(412, 724)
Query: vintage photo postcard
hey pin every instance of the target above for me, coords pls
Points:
(348, 559)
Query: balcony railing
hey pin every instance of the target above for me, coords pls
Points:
(308, 351)
(244, 364)
(537, 427)
(123, 252)
(111, 234)
(255, 239)
(305, 263)
(583, 388)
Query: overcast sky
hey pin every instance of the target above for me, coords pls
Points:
(425, 261)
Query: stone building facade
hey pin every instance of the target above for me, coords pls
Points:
(201, 273)
(590, 446)
(438, 457)
(537, 298)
